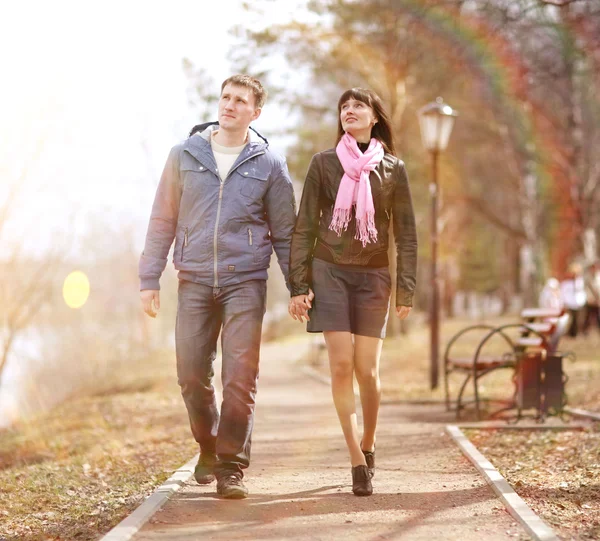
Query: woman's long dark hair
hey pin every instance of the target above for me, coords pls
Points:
(382, 131)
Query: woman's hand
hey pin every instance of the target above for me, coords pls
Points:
(403, 311)
(300, 305)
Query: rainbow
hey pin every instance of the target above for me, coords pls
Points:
(492, 58)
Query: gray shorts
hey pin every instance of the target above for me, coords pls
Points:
(349, 298)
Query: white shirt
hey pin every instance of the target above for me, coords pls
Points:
(573, 292)
(224, 156)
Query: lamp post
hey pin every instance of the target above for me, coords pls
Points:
(436, 120)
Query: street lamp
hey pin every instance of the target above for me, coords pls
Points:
(436, 120)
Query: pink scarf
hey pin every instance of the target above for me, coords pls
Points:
(355, 188)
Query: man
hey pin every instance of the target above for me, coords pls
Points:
(227, 200)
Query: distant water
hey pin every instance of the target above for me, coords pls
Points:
(24, 357)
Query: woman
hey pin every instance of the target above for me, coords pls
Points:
(340, 252)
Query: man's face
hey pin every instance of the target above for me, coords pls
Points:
(237, 108)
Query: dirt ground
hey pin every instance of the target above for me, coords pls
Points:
(300, 481)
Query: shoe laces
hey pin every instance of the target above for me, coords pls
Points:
(234, 478)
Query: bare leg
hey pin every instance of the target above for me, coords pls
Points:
(341, 363)
(367, 351)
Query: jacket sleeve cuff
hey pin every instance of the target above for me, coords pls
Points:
(404, 297)
(298, 290)
(150, 283)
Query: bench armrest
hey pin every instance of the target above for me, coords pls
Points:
(540, 313)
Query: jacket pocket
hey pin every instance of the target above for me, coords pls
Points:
(184, 242)
(181, 243)
(253, 244)
(258, 248)
(194, 175)
(252, 182)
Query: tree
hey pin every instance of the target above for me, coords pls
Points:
(522, 73)
(26, 280)
(558, 40)
(202, 95)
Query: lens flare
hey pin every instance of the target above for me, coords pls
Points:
(76, 289)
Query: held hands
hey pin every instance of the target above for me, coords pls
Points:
(300, 305)
(403, 311)
(150, 301)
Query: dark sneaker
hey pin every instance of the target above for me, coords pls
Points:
(204, 471)
(361, 481)
(370, 459)
(231, 487)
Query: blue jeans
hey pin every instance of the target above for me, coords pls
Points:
(237, 313)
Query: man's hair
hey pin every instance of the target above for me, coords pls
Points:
(260, 94)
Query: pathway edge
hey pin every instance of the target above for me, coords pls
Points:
(133, 523)
(583, 413)
(515, 505)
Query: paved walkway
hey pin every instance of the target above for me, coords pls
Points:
(300, 482)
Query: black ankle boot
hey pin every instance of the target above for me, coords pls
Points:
(361, 481)
(370, 460)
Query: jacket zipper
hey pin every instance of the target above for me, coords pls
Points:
(249, 237)
(215, 251)
(185, 241)
(216, 283)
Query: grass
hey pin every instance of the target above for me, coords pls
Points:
(79, 470)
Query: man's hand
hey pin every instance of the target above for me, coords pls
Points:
(403, 311)
(150, 301)
(300, 305)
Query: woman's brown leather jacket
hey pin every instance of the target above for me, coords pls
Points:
(392, 201)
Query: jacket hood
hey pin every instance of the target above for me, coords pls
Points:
(205, 129)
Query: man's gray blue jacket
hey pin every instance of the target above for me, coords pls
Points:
(224, 232)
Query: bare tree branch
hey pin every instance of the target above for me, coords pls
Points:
(479, 206)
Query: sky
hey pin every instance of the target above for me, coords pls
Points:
(96, 97)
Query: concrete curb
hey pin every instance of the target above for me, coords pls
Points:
(502, 425)
(515, 505)
(583, 413)
(132, 524)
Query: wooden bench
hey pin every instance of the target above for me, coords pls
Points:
(554, 320)
(476, 364)
(540, 378)
(528, 348)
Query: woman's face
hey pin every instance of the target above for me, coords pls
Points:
(357, 118)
